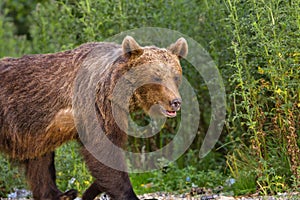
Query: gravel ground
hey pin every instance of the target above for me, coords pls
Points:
(188, 196)
(193, 196)
(166, 196)
(214, 197)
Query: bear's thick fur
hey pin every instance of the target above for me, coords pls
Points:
(36, 113)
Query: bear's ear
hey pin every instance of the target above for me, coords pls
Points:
(131, 47)
(179, 48)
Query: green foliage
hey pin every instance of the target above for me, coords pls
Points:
(18, 11)
(172, 178)
(72, 172)
(10, 177)
(10, 44)
(264, 113)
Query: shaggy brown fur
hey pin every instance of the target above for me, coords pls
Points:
(36, 113)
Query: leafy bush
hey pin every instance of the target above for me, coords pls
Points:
(10, 44)
(264, 114)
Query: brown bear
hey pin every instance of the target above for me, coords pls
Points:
(36, 113)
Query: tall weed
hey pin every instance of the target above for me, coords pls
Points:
(264, 113)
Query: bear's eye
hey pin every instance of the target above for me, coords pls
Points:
(157, 79)
(176, 79)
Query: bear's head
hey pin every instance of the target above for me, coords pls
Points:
(156, 76)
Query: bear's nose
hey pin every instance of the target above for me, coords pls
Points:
(176, 103)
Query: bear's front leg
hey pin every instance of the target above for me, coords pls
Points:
(113, 182)
(40, 173)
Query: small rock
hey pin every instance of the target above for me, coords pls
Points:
(225, 198)
(19, 193)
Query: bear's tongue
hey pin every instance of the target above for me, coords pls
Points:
(171, 113)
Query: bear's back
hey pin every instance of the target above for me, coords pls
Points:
(35, 88)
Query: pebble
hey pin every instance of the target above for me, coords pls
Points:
(169, 196)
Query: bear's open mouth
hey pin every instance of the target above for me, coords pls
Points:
(168, 113)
